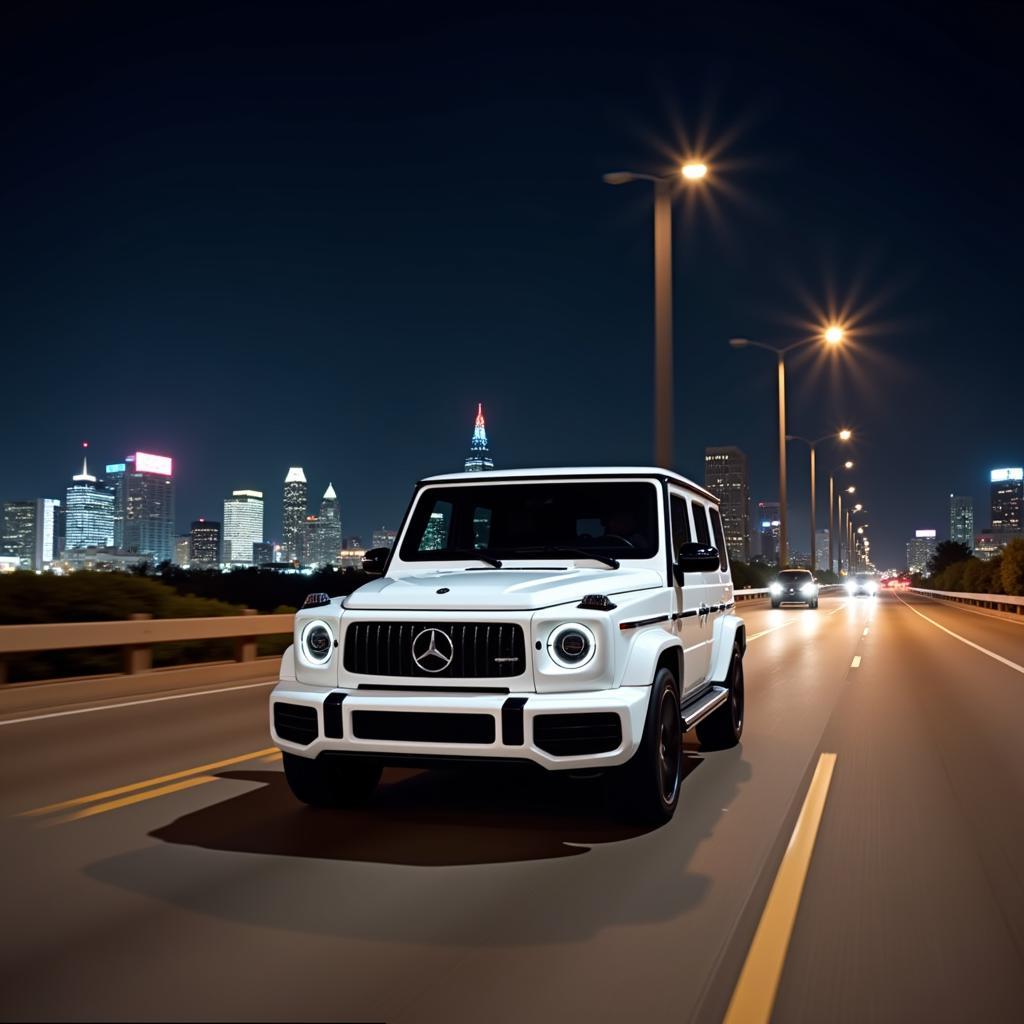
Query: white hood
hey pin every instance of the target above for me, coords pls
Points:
(497, 589)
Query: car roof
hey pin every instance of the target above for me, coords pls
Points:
(568, 472)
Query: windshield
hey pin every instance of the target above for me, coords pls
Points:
(793, 575)
(534, 520)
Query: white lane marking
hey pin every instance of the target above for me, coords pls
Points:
(134, 703)
(765, 632)
(985, 613)
(856, 661)
(964, 640)
(839, 609)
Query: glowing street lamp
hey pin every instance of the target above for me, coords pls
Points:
(834, 334)
(691, 171)
(780, 354)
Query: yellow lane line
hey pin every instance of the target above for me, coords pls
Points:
(135, 798)
(146, 783)
(754, 995)
(856, 661)
(271, 758)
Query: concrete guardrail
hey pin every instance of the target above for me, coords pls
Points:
(136, 636)
(997, 602)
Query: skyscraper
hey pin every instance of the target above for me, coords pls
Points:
(19, 536)
(149, 506)
(479, 458)
(204, 544)
(293, 519)
(1007, 498)
(383, 537)
(725, 475)
(90, 512)
(920, 550)
(324, 551)
(243, 526)
(113, 481)
(821, 549)
(961, 520)
(768, 528)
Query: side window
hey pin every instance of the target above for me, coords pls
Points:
(680, 524)
(700, 524)
(435, 533)
(716, 525)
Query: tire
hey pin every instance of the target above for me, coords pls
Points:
(331, 782)
(815, 605)
(775, 604)
(649, 784)
(723, 728)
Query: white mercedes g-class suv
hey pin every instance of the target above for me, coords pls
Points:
(579, 619)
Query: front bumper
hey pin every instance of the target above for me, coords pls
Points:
(515, 734)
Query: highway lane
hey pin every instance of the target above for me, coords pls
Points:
(454, 897)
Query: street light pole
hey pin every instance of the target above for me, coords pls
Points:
(833, 336)
(783, 548)
(664, 379)
(842, 435)
(663, 373)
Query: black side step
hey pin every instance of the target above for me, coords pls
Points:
(699, 708)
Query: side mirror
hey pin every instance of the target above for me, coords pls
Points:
(374, 561)
(695, 558)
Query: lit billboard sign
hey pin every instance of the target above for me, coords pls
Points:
(146, 463)
(1000, 476)
(115, 467)
(924, 533)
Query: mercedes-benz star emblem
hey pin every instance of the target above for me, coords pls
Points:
(432, 650)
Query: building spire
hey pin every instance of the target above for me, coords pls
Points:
(479, 456)
(85, 475)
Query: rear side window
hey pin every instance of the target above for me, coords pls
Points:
(700, 524)
(716, 525)
(680, 525)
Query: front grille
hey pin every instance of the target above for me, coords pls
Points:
(423, 726)
(589, 733)
(480, 650)
(295, 723)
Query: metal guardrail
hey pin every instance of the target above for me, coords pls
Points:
(136, 636)
(998, 602)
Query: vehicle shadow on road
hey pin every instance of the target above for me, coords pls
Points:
(419, 818)
(449, 858)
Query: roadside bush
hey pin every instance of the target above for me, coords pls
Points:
(1012, 570)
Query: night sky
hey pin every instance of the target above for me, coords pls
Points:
(258, 236)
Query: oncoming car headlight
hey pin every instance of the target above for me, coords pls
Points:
(872, 587)
(775, 588)
(571, 645)
(808, 589)
(851, 587)
(317, 641)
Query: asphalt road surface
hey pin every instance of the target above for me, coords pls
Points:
(496, 896)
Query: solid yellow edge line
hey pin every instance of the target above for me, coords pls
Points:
(135, 798)
(92, 797)
(754, 996)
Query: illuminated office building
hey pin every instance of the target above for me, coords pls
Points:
(293, 519)
(90, 512)
(148, 487)
(920, 550)
(204, 543)
(1007, 498)
(243, 527)
(961, 520)
(384, 538)
(725, 476)
(328, 530)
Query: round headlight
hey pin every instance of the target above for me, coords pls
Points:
(318, 641)
(572, 645)
(807, 588)
(775, 587)
(851, 587)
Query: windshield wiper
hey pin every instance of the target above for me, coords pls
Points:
(480, 556)
(612, 563)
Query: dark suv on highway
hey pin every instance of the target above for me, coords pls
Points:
(794, 586)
